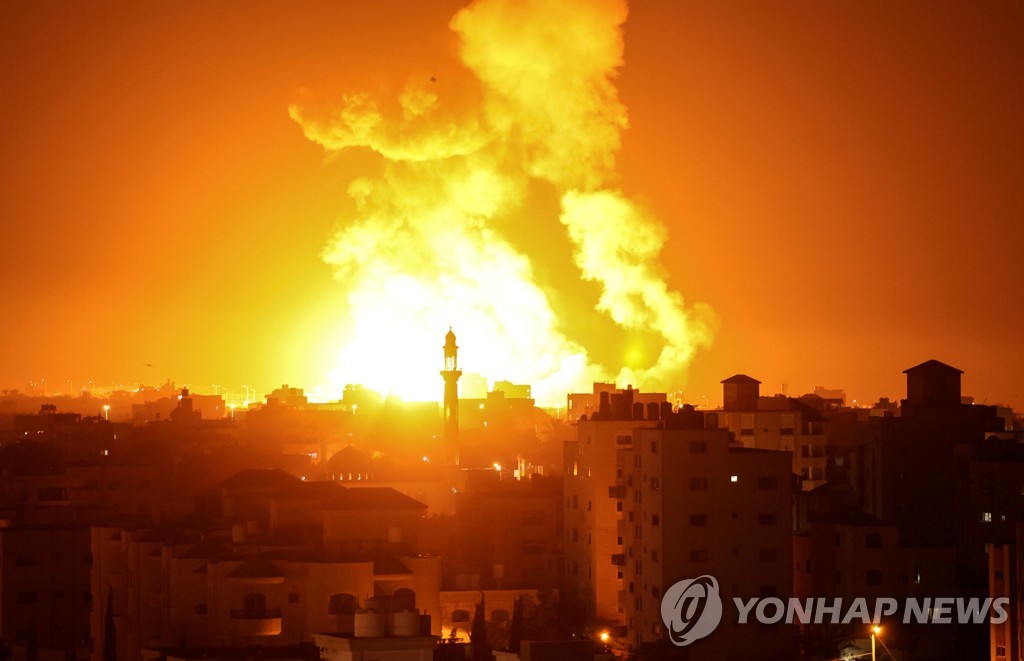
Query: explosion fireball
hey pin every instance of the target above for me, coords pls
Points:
(453, 231)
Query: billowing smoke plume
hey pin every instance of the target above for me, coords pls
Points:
(430, 243)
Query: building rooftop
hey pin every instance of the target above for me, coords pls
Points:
(374, 498)
(740, 378)
(932, 366)
(260, 478)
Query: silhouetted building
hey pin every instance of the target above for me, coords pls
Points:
(451, 374)
(586, 404)
(507, 532)
(695, 505)
(45, 597)
(775, 423)
(271, 560)
(594, 474)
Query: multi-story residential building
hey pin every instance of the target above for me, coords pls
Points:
(696, 505)
(45, 595)
(775, 423)
(507, 532)
(593, 475)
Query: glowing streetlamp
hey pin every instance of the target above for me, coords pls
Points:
(875, 630)
(604, 636)
(106, 412)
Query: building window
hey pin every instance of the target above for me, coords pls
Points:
(654, 446)
(698, 447)
(655, 483)
(873, 577)
(25, 560)
(254, 605)
(460, 616)
(698, 519)
(199, 609)
(26, 597)
(499, 615)
(767, 482)
(986, 517)
(767, 555)
(654, 556)
(873, 541)
(766, 518)
(699, 555)
(698, 484)
(734, 478)
(293, 597)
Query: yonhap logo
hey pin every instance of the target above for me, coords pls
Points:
(691, 609)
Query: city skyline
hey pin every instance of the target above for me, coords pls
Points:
(827, 194)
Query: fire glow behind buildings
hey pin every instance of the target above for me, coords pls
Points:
(652, 232)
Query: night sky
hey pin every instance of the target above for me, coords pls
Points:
(841, 183)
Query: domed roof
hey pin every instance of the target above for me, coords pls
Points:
(348, 460)
(449, 336)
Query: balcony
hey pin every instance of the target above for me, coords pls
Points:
(618, 491)
(619, 559)
(256, 623)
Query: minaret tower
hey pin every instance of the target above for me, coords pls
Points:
(451, 374)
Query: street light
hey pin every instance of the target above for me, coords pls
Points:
(875, 630)
(106, 411)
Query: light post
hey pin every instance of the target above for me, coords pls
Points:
(875, 630)
(106, 412)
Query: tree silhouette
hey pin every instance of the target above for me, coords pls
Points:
(478, 633)
(515, 632)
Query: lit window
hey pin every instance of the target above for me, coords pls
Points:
(986, 517)
(734, 478)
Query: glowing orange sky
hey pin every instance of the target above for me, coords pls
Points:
(841, 182)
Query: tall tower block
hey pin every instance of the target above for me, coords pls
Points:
(451, 374)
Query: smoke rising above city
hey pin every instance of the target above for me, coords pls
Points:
(428, 245)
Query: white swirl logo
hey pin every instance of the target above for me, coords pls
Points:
(691, 609)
